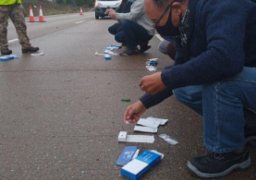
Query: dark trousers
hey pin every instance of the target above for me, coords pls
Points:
(115, 28)
(16, 13)
(132, 34)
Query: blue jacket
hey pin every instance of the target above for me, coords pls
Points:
(221, 41)
(124, 7)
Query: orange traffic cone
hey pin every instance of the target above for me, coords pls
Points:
(31, 15)
(81, 11)
(41, 16)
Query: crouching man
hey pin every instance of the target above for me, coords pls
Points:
(137, 29)
(214, 74)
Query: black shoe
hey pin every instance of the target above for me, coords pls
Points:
(30, 49)
(216, 165)
(144, 48)
(250, 135)
(6, 52)
(129, 52)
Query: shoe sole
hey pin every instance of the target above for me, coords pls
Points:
(27, 51)
(4, 54)
(144, 50)
(194, 171)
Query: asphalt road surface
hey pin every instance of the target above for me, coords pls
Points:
(61, 113)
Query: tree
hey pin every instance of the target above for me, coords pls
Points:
(80, 2)
(60, 1)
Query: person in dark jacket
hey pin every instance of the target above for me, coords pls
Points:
(124, 7)
(214, 74)
(137, 29)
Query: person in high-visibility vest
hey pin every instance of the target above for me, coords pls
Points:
(14, 10)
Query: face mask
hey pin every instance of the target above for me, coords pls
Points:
(168, 29)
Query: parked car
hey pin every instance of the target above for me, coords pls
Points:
(102, 5)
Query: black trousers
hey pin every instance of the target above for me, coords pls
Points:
(115, 28)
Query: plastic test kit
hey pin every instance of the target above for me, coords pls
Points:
(124, 137)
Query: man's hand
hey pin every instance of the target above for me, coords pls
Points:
(133, 112)
(111, 13)
(107, 10)
(152, 84)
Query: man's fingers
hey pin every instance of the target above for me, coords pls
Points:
(128, 113)
(142, 88)
(133, 119)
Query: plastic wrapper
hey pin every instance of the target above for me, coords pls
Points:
(110, 53)
(40, 53)
(109, 48)
(98, 54)
(151, 64)
(151, 68)
(9, 57)
(115, 46)
(168, 139)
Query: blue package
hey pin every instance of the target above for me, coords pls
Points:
(9, 57)
(115, 46)
(107, 57)
(126, 155)
(151, 63)
(140, 165)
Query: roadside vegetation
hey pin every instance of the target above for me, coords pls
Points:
(53, 7)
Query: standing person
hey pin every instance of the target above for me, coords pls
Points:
(214, 74)
(14, 10)
(137, 29)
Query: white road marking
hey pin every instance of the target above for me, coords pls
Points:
(78, 22)
(159, 37)
(13, 40)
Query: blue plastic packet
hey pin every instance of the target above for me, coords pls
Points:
(107, 57)
(115, 46)
(153, 63)
(9, 57)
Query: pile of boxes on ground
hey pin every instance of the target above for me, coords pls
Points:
(134, 165)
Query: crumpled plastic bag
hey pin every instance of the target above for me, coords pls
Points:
(168, 139)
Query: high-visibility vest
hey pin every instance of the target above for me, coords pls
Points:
(9, 2)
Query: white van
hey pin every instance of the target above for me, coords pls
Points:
(102, 5)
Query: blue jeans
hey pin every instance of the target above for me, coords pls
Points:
(224, 106)
(132, 34)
